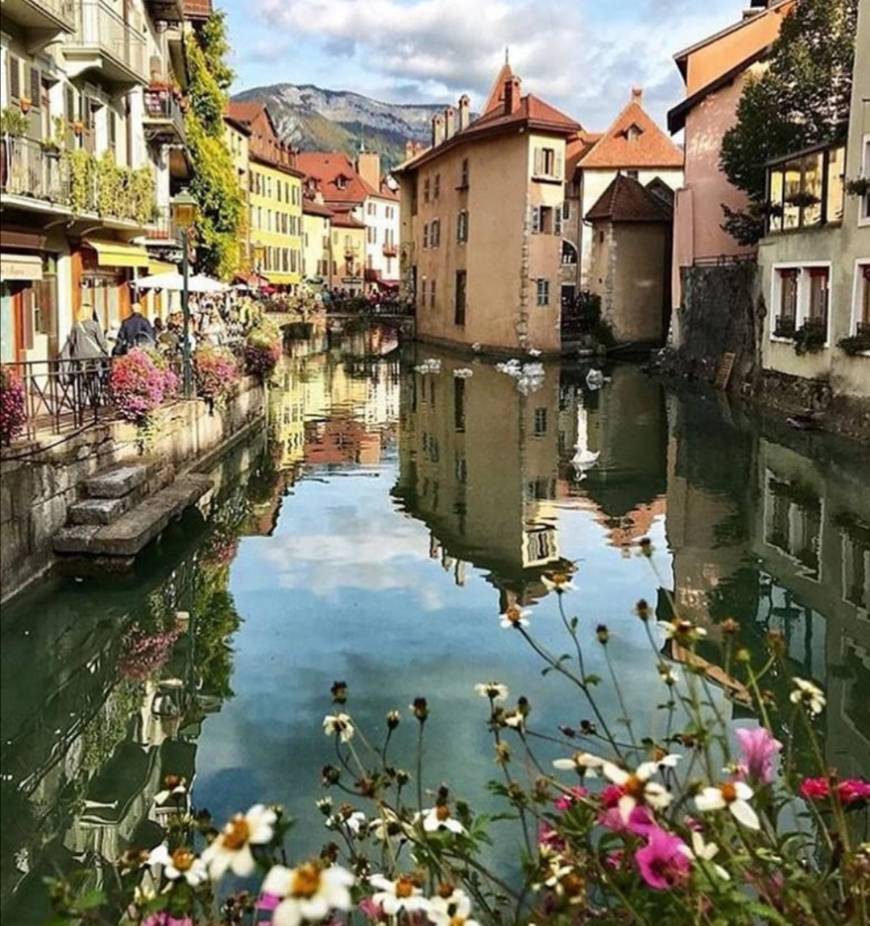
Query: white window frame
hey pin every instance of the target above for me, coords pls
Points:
(858, 284)
(803, 297)
(538, 293)
(864, 218)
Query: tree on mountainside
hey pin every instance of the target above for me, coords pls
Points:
(802, 99)
(214, 184)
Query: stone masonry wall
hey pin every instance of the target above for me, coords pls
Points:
(35, 492)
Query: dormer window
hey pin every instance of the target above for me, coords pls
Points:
(341, 182)
(633, 132)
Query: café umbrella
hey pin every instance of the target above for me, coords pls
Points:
(174, 282)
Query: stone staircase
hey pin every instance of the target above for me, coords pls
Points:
(125, 508)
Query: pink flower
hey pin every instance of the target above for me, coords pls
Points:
(547, 836)
(640, 821)
(566, 801)
(166, 919)
(371, 910)
(815, 789)
(758, 749)
(268, 901)
(610, 795)
(664, 861)
(853, 790)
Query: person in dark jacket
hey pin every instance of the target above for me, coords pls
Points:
(136, 331)
(85, 355)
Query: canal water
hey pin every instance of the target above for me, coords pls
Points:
(374, 534)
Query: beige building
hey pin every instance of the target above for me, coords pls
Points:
(481, 212)
(815, 259)
(629, 259)
(238, 141)
(316, 241)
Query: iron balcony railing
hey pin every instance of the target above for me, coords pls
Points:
(99, 26)
(29, 168)
(37, 13)
(163, 115)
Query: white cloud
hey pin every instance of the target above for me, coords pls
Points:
(581, 56)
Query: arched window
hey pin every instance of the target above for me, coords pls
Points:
(569, 253)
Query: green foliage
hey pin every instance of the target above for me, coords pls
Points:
(100, 185)
(854, 345)
(82, 176)
(801, 100)
(13, 122)
(214, 184)
(809, 339)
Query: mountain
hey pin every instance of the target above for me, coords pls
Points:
(314, 119)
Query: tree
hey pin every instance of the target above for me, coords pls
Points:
(214, 183)
(802, 99)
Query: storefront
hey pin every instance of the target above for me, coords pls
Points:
(28, 297)
(103, 271)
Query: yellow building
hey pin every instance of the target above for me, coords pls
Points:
(274, 196)
(348, 252)
(238, 141)
(316, 241)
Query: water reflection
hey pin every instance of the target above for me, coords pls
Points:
(393, 516)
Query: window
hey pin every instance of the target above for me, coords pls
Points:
(540, 422)
(861, 306)
(548, 163)
(431, 294)
(462, 226)
(371, 209)
(632, 174)
(569, 254)
(543, 292)
(819, 288)
(566, 210)
(434, 233)
(458, 404)
(557, 220)
(436, 187)
(459, 297)
(864, 210)
(543, 220)
(463, 175)
(801, 297)
(423, 287)
(806, 191)
(788, 293)
(426, 235)
(426, 190)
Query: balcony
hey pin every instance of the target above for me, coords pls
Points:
(103, 41)
(163, 119)
(390, 250)
(30, 170)
(43, 22)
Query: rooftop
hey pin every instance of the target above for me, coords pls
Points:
(335, 176)
(627, 200)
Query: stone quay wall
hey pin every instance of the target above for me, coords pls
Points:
(37, 489)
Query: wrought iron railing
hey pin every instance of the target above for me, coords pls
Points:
(162, 109)
(30, 168)
(98, 25)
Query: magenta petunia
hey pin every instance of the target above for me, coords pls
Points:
(815, 789)
(758, 749)
(640, 821)
(664, 861)
(566, 801)
(853, 790)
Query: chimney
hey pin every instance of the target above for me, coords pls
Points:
(368, 166)
(449, 122)
(637, 95)
(437, 129)
(464, 112)
(511, 94)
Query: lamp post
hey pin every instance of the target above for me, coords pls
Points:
(184, 213)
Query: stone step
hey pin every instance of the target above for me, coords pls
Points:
(117, 482)
(105, 509)
(129, 534)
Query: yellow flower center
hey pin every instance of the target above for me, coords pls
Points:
(634, 787)
(457, 920)
(729, 792)
(513, 614)
(237, 833)
(404, 887)
(572, 884)
(445, 890)
(558, 578)
(183, 859)
(306, 880)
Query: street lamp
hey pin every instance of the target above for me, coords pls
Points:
(184, 213)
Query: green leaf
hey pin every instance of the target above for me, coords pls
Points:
(591, 680)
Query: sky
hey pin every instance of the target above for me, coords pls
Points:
(583, 56)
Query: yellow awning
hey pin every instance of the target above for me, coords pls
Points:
(160, 266)
(20, 267)
(117, 254)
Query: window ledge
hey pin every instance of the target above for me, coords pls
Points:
(547, 178)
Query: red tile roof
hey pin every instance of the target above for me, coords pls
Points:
(346, 220)
(626, 200)
(576, 149)
(326, 167)
(310, 207)
(196, 9)
(650, 147)
(532, 111)
(495, 100)
(386, 192)
(265, 145)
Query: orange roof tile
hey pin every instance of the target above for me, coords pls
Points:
(495, 100)
(327, 167)
(577, 148)
(311, 207)
(346, 220)
(627, 200)
(646, 146)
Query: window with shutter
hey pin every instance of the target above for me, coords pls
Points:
(14, 77)
(557, 220)
(539, 161)
(536, 220)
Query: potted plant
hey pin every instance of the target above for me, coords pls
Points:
(77, 126)
(13, 125)
(860, 186)
(25, 103)
(810, 338)
(855, 344)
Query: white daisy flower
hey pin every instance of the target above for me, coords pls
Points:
(515, 617)
(338, 725)
(809, 694)
(495, 691)
(180, 864)
(515, 719)
(231, 848)
(389, 826)
(558, 582)
(450, 907)
(438, 818)
(733, 795)
(354, 821)
(637, 788)
(682, 631)
(309, 892)
(401, 894)
(705, 852)
(583, 763)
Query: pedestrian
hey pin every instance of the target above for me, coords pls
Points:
(136, 331)
(85, 353)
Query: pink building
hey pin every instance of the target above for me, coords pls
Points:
(715, 71)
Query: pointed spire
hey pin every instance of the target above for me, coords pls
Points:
(507, 56)
(495, 100)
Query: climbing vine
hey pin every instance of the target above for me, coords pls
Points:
(214, 183)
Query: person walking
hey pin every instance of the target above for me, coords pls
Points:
(136, 331)
(85, 353)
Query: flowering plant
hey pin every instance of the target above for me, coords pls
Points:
(12, 406)
(141, 381)
(263, 349)
(216, 372)
(692, 824)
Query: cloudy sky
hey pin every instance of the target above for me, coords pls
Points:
(583, 55)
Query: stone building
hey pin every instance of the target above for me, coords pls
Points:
(633, 145)
(482, 222)
(815, 259)
(90, 92)
(629, 259)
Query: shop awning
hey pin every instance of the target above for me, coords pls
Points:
(117, 254)
(20, 267)
(160, 266)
